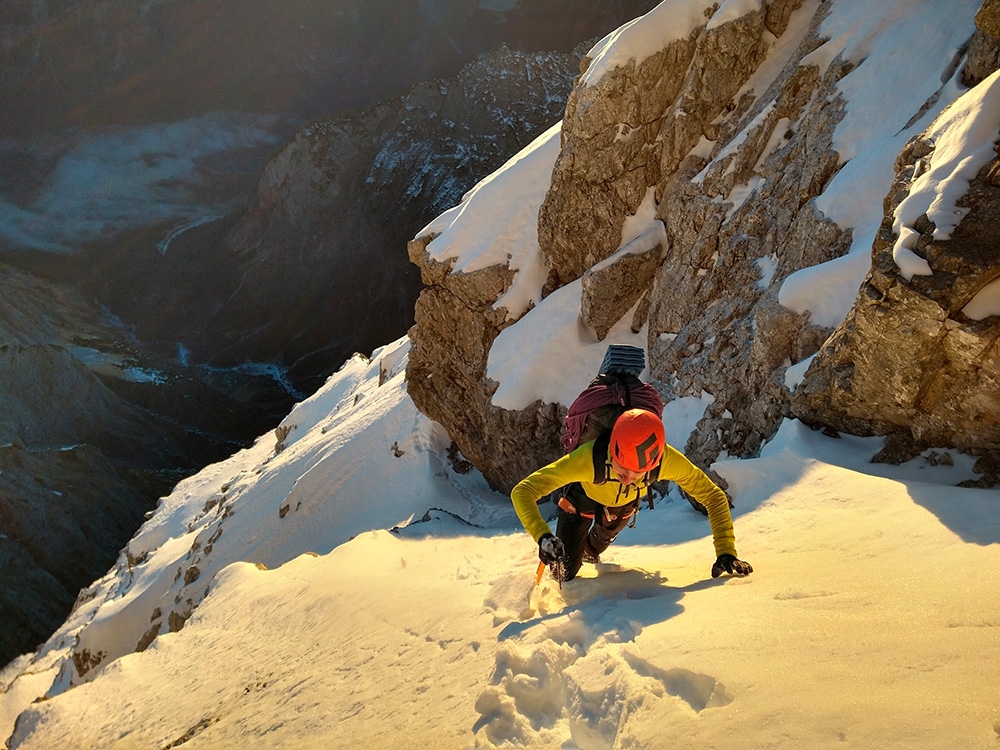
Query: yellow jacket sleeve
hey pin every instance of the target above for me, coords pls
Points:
(577, 466)
(677, 468)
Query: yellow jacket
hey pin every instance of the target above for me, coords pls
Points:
(578, 466)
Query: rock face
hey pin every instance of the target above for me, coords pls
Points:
(984, 47)
(909, 360)
(737, 147)
(455, 327)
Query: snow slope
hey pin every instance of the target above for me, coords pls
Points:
(348, 582)
(871, 617)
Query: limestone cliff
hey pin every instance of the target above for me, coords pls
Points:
(732, 129)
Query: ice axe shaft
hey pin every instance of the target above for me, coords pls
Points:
(558, 572)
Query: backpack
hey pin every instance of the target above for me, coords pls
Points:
(615, 390)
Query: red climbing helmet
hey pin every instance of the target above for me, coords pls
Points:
(637, 440)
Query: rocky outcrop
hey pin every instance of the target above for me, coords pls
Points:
(445, 373)
(637, 128)
(913, 359)
(737, 143)
(984, 47)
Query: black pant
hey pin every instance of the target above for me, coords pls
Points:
(586, 525)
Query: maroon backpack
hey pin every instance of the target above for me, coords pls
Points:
(615, 390)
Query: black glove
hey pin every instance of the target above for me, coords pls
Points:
(551, 549)
(729, 564)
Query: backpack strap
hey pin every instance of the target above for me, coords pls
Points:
(600, 456)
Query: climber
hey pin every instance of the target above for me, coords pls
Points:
(602, 482)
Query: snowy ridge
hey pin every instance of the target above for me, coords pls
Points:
(496, 224)
(647, 35)
(303, 488)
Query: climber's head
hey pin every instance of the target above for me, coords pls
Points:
(637, 440)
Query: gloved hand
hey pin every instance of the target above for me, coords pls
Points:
(729, 564)
(551, 549)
